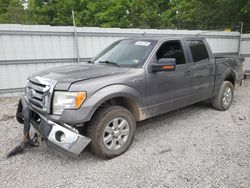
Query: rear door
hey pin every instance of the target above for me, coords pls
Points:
(203, 70)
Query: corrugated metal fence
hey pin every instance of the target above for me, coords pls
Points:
(245, 51)
(25, 49)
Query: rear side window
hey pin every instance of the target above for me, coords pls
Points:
(198, 50)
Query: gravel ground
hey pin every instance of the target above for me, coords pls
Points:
(196, 146)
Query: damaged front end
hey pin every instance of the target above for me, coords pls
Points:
(59, 135)
(63, 136)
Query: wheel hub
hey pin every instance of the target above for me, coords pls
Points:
(116, 133)
(227, 96)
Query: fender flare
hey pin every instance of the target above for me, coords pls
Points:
(113, 91)
(229, 72)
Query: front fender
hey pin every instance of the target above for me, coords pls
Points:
(94, 101)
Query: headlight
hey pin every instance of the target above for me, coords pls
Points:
(67, 100)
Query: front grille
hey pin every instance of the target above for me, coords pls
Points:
(39, 93)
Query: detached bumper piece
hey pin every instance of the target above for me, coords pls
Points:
(64, 137)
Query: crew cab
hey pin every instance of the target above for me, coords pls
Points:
(98, 103)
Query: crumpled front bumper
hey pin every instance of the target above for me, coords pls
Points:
(62, 135)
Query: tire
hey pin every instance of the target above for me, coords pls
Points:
(111, 131)
(224, 98)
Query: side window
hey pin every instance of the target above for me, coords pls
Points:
(198, 50)
(172, 49)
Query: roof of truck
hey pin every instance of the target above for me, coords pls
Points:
(159, 38)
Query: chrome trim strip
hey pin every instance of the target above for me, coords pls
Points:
(35, 87)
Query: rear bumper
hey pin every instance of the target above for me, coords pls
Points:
(247, 73)
(61, 135)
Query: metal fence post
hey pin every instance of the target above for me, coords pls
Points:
(241, 30)
(75, 37)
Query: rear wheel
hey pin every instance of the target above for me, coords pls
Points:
(111, 131)
(225, 97)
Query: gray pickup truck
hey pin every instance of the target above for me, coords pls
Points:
(98, 103)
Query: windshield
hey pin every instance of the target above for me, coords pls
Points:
(126, 53)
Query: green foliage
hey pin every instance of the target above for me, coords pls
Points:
(210, 14)
(181, 14)
(41, 12)
(12, 11)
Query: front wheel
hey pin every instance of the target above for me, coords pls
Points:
(224, 98)
(111, 131)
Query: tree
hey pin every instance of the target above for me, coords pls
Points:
(125, 13)
(181, 14)
(12, 11)
(41, 11)
(212, 14)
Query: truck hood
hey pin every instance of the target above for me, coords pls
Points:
(67, 75)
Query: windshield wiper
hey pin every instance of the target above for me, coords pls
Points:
(110, 62)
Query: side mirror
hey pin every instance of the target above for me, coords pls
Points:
(164, 64)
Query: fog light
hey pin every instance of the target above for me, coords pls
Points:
(60, 136)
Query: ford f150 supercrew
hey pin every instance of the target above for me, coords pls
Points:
(98, 103)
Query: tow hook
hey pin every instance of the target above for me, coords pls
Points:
(27, 141)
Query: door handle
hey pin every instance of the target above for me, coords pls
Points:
(211, 68)
(188, 72)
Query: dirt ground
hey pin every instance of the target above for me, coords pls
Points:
(196, 146)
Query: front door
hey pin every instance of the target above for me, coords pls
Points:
(168, 90)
